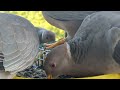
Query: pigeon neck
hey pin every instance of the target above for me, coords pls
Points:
(41, 33)
(68, 50)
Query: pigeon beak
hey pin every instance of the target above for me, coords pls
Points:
(49, 76)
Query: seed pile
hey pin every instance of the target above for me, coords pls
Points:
(36, 70)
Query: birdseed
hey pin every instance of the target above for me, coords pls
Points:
(36, 70)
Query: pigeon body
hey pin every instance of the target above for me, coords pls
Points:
(69, 21)
(94, 50)
(19, 44)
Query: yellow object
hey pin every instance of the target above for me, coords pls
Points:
(107, 76)
(21, 78)
(49, 76)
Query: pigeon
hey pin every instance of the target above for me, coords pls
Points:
(45, 36)
(19, 44)
(69, 21)
(94, 49)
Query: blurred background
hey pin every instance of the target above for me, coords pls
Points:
(37, 19)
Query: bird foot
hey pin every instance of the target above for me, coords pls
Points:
(49, 46)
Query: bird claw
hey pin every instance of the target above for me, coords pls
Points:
(49, 46)
(45, 44)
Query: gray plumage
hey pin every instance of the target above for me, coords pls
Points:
(19, 44)
(94, 50)
(69, 21)
(97, 40)
(93, 32)
(45, 36)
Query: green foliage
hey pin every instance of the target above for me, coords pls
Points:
(37, 19)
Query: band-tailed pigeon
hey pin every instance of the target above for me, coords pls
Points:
(45, 36)
(19, 44)
(69, 21)
(94, 50)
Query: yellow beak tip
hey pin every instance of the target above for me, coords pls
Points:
(49, 76)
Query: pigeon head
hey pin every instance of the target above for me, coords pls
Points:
(48, 36)
(57, 61)
(45, 36)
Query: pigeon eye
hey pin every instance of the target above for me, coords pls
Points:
(53, 65)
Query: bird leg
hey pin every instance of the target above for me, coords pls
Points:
(61, 41)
